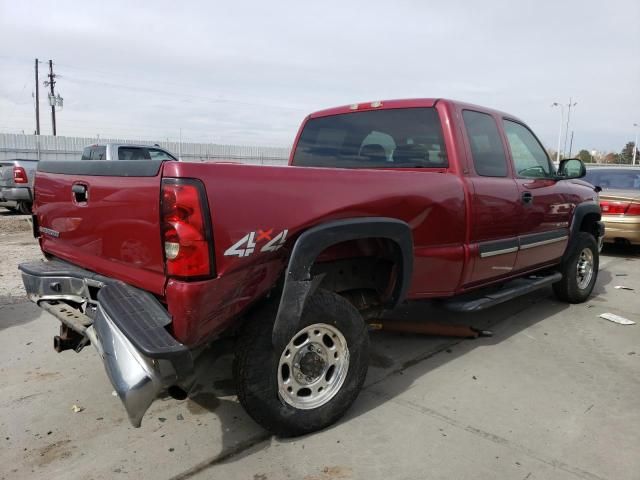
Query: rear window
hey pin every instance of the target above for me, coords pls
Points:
(394, 138)
(157, 154)
(615, 178)
(132, 153)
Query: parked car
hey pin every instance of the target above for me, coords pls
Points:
(125, 151)
(382, 202)
(16, 184)
(619, 201)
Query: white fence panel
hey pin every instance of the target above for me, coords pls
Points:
(48, 147)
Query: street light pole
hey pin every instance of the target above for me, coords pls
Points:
(556, 104)
(635, 145)
(566, 132)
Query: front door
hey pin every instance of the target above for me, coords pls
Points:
(544, 223)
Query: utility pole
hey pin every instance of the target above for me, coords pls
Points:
(566, 131)
(635, 145)
(52, 97)
(37, 101)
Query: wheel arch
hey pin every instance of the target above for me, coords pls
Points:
(586, 218)
(298, 279)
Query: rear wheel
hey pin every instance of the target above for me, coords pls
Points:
(24, 208)
(579, 270)
(316, 376)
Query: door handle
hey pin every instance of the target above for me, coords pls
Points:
(80, 194)
(527, 197)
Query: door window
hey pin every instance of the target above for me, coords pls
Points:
(529, 157)
(487, 149)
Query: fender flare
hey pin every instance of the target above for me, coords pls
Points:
(298, 283)
(581, 211)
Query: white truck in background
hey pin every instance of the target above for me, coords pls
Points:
(125, 151)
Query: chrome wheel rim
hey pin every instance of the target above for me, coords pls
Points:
(584, 268)
(313, 366)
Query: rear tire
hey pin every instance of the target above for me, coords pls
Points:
(331, 335)
(579, 270)
(24, 208)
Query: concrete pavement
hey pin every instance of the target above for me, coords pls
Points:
(554, 394)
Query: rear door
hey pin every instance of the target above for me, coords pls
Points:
(103, 216)
(545, 212)
(495, 204)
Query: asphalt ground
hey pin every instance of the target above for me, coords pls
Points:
(552, 395)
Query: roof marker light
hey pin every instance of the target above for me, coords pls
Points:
(376, 104)
(353, 107)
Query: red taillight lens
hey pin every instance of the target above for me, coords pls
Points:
(185, 229)
(613, 208)
(634, 209)
(19, 175)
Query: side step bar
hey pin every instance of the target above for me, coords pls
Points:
(511, 290)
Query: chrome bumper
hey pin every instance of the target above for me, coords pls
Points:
(138, 380)
(140, 357)
(14, 194)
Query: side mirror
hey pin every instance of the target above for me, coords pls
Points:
(572, 168)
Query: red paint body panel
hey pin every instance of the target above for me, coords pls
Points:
(452, 213)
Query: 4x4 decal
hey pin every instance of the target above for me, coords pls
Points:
(247, 244)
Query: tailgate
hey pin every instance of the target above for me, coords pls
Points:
(103, 216)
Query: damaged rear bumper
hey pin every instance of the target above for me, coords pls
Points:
(127, 326)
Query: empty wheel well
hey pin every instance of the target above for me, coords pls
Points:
(589, 224)
(364, 271)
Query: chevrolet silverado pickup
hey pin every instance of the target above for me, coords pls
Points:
(381, 202)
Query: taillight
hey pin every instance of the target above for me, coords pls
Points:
(619, 208)
(634, 209)
(19, 175)
(613, 208)
(186, 230)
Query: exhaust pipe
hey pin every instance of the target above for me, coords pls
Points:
(137, 379)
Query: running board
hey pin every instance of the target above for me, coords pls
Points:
(510, 290)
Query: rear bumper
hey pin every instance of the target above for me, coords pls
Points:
(15, 194)
(622, 227)
(127, 326)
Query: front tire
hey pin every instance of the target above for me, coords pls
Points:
(579, 270)
(316, 377)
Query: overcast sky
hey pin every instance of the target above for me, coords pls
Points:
(248, 72)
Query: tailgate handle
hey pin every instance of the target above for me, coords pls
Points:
(79, 192)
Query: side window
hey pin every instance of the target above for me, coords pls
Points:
(529, 157)
(157, 154)
(94, 153)
(131, 153)
(99, 153)
(487, 149)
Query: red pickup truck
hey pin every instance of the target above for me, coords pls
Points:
(151, 261)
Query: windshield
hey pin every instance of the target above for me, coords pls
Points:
(394, 138)
(614, 178)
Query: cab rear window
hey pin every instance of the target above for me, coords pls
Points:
(393, 138)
